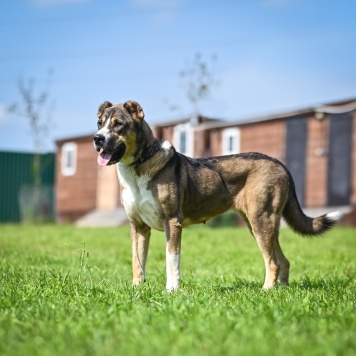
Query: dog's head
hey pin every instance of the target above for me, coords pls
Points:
(118, 127)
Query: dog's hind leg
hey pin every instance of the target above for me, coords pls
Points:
(173, 230)
(275, 261)
(140, 239)
(265, 230)
(283, 275)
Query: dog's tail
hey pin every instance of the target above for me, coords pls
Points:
(303, 224)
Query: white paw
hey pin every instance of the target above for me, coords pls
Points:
(172, 287)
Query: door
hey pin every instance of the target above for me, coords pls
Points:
(296, 139)
(339, 164)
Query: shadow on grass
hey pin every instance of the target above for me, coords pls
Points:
(322, 283)
(304, 283)
(241, 284)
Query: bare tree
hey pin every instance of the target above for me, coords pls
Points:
(197, 80)
(35, 107)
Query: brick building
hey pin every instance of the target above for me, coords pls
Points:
(317, 144)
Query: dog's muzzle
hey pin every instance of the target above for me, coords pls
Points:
(108, 154)
(98, 141)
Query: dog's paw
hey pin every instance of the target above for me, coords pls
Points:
(172, 290)
(172, 287)
(138, 281)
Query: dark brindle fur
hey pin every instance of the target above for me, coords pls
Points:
(165, 190)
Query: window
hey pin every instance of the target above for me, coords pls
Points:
(69, 158)
(183, 142)
(183, 139)
(231, 141)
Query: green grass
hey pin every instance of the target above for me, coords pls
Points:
(57, 300)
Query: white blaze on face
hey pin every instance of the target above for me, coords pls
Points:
(104, 157)
(105, 129)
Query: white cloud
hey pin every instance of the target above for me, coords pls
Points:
(55, 2)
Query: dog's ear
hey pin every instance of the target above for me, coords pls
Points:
(134, 109)
(102, 108)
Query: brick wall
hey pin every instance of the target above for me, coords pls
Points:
(215, 142)
(202, 143)
(76, 194)
(108, 189)
(168, 133)
(264, 137)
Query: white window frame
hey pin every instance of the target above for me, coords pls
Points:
(188, 130)
(232, 133)
(69, 168)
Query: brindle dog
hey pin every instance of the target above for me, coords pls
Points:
(165, 190)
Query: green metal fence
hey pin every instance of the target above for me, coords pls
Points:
(22, 197)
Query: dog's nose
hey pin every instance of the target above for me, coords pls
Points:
(99, 139)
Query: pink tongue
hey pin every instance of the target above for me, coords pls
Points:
(104, 158)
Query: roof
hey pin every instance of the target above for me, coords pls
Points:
(329, 108)
(200, 119)
(74, 138)
(206, 123)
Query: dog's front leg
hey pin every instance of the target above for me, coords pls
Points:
(173, 230)
(140, 238)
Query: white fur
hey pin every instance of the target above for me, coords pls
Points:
(173, 271)
(334, 216)
(166, 145)
(105, 129)
(137, 199)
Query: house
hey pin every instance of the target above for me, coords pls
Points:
(317, 144)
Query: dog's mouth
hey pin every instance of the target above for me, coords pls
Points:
(107, 158)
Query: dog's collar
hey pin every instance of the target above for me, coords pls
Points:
(149, 152)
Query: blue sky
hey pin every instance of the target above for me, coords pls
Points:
(272, 56)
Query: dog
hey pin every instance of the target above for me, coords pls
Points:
(164, 190)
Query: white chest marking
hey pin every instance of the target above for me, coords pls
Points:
(138, 201)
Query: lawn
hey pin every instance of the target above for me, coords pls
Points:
(65, 290)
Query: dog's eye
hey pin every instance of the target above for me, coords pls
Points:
(99, 122)
(118, 123)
